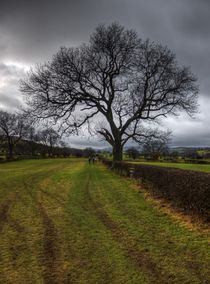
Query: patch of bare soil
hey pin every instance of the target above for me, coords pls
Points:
(54, 197)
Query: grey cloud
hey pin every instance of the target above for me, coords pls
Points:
(9, 71)
(83, 142)
(191, 131)
(10, 97)
(194, 19)
(32, 31)
(7, 101)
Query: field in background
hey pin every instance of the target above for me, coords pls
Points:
(183, 166)
(64, 221)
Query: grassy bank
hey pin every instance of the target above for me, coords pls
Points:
(64, 221)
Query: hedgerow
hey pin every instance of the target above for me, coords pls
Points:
(185, 189)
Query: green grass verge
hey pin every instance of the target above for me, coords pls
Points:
(64, 221)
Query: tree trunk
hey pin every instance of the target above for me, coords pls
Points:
(117, 151)
(10, 151)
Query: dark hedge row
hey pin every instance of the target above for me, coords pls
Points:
(185, 189)
(196, 161)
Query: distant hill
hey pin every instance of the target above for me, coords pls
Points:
(185, 149)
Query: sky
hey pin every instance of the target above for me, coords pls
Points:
(31, 31)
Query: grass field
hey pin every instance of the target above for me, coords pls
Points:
(64, 221)
(183, 166)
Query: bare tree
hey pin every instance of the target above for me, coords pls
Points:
(156, 145)
(32, 139)
(12, 129)
(132, 152)
(50, 138)
(117, 78)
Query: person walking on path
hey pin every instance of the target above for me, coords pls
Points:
(89, 159)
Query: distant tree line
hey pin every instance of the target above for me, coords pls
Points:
(156, 149)
(20, 139)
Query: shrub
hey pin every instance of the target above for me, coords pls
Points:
(185, 189)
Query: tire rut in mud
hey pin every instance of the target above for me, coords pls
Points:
(50, 258)
(4, 210)
(51, 275)
(3, 213)
(140, 258)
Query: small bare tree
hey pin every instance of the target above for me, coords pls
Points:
(117, 78)
(32, 138)
(50, 138)
(156, 145)
(12, 129)
(132, 152)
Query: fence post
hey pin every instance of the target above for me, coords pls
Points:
(131, 172)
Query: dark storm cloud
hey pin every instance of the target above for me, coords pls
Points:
(196, 19)
(35, 29)
(32, 31)
(192, 26)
